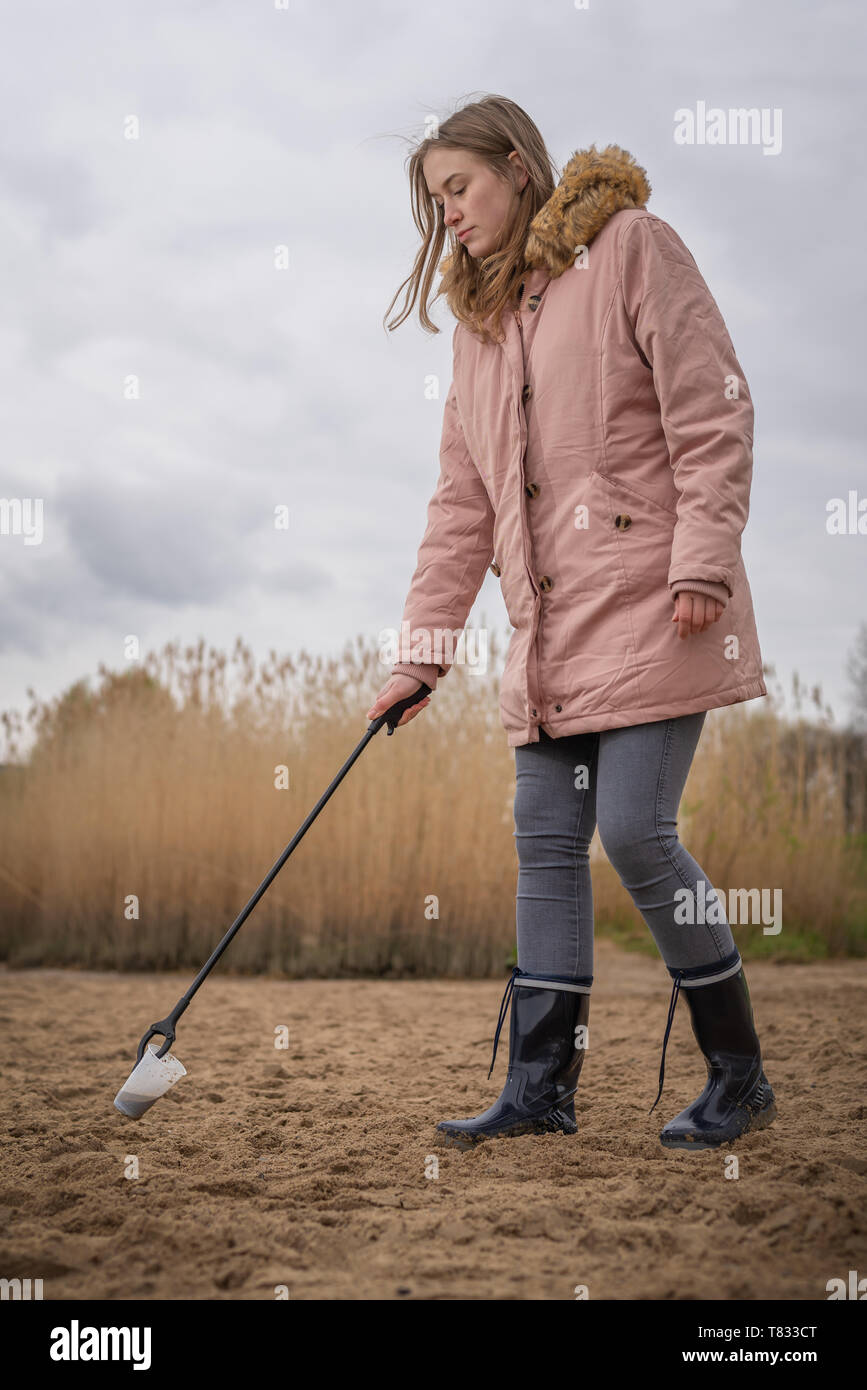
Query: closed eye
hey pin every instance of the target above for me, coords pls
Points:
(454, 190)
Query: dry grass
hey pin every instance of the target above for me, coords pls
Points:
(160, 784)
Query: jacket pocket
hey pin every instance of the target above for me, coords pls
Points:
(628, 490)
(642, 532)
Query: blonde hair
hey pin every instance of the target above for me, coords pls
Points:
(476, 290)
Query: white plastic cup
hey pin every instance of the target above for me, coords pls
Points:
(149, 1079)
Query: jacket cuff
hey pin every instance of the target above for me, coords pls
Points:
(428, 674)
(700, 586)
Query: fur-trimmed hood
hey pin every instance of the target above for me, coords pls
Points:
(595, 184)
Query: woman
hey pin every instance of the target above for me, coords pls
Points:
(596, 453)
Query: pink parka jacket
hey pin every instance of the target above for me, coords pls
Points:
(599, 460)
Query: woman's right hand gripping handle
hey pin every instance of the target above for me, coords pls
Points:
(398, 688)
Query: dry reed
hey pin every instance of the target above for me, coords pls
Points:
(156, 794)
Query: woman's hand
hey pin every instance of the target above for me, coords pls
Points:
(398, 688)
(694, 612)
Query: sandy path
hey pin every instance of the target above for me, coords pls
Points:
(306, 1167)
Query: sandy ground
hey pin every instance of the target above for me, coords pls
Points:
(306, 1167)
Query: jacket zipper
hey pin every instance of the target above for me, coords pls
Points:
(541, 694)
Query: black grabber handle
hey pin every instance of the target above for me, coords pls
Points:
(393, 715)
(166, 1026)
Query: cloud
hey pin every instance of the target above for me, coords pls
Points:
(153, 261)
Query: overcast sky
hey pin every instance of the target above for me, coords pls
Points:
(261, 126)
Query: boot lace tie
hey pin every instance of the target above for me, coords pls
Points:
(504, 1009)
(671, 1008)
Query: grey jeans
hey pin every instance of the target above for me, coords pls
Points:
(631, 787)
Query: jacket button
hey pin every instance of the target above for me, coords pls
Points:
(621, 522)
(496, 569)
(531, 489)
(558, 708)
(546, 583)
(534, 301)
(526, 393)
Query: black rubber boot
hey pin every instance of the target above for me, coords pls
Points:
(546, 1054)
(738, 1096)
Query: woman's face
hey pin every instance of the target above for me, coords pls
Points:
(476, 204)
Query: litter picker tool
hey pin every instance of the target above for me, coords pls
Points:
(156, 1070)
